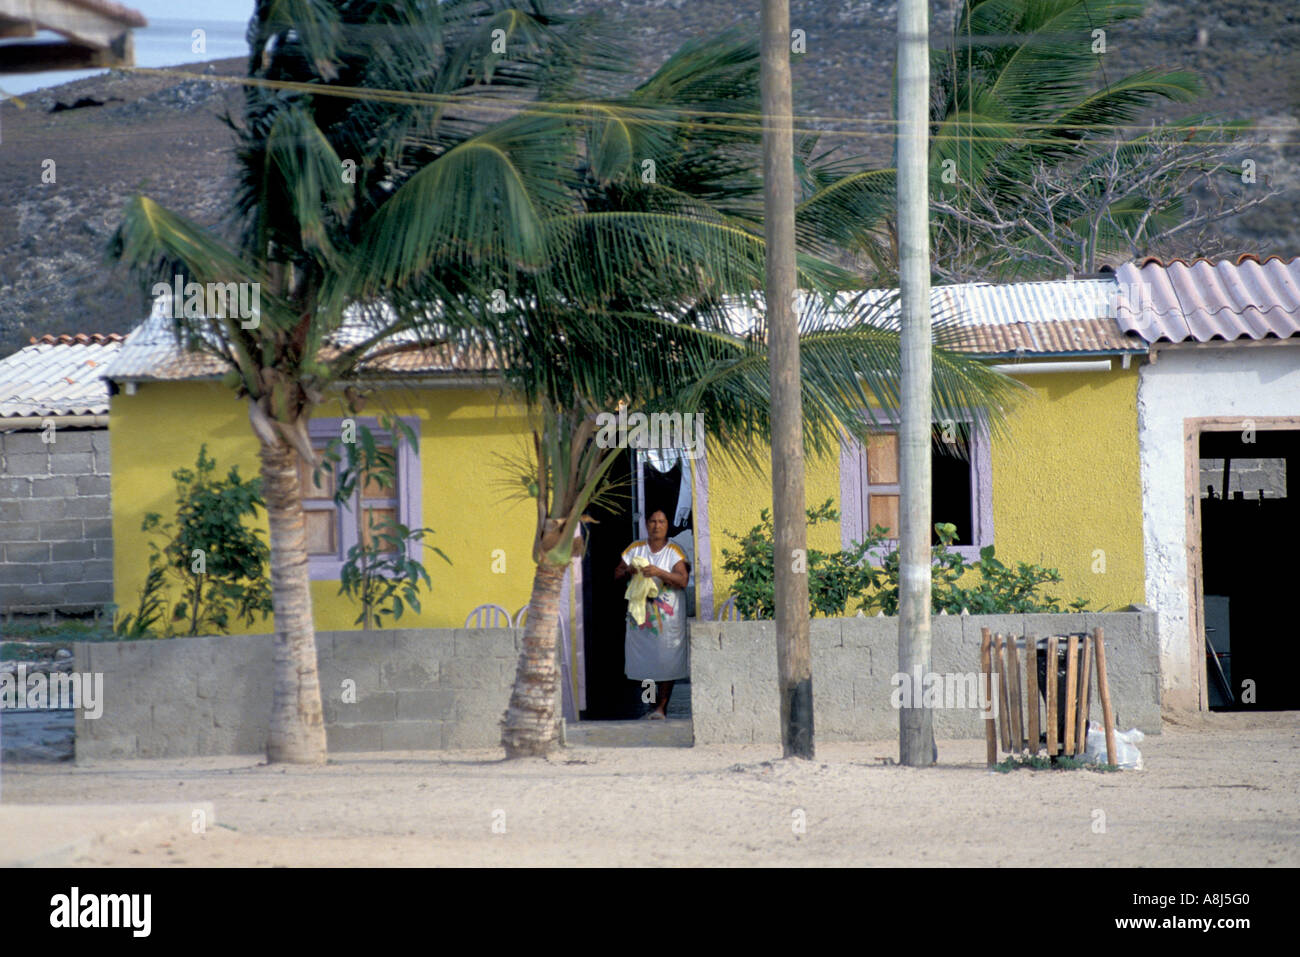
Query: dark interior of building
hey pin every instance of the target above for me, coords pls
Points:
(610, 694)
(1249, 561)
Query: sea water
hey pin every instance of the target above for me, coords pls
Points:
(164, 42)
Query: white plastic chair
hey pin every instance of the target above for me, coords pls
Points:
(488, 616)
(566, 672)
(566, 668)
(728, 610)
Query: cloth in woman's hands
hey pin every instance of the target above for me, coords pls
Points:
(639, 590)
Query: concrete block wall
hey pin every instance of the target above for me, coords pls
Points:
(56, 537)
(416, 689)
(1247, 476)
(429, 689)
(733, 673)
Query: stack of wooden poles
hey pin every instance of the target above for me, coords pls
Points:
(1013, 717)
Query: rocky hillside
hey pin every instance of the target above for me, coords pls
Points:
(152, 132)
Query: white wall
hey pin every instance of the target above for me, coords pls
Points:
(1184, 383)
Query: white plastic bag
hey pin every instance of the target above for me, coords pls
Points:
(1129, 758)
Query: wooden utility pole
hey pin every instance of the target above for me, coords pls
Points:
(916, 724)
(793, 658)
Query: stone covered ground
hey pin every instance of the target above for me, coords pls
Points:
(1217, 790)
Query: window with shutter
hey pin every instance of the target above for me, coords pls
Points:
(961, 485)
(332, 530)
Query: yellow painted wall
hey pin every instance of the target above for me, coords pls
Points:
(737, 494)
(161, 427)
(1065, 487)
(1066, 490)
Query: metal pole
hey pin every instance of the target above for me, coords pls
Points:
(915, 726)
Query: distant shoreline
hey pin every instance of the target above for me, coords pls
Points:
(164, 39)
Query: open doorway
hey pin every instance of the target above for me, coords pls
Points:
(1248, 504)
(646, 480)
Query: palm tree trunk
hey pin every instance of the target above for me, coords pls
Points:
(297, 733)
(793, 655)
(915, 725)
(530, 719)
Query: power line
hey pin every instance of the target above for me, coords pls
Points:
(646, 116)
(959, 137)
(703, 119)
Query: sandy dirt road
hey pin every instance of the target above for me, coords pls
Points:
(1217, 791)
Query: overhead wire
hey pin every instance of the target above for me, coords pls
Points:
(654, 117)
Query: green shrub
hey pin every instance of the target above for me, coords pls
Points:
(148, 614)
(837, 579)
(219, 563)
(834, 578)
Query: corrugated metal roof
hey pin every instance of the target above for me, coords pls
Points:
(1034, 318)
(1045, 318)
(57, 375)
(1072, 336)
(151, 353)
(1205, 300)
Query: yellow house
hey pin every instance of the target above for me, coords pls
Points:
(1061, 489)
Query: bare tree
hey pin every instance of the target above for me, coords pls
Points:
(1164, 193)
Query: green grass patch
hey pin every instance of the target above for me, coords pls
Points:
(23, 651)
(33, 639)
(1041, 762)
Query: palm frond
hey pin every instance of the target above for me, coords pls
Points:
(484, 203)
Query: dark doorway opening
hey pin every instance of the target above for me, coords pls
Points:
(611, 695)
(1250, 509)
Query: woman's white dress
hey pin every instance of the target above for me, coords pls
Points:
(659, 649)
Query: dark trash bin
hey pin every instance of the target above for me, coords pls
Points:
(1062, 660)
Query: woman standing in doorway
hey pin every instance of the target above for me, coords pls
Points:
(658, 650)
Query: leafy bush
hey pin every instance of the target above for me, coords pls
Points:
(836, 579)
(219, 563)
(149, 613)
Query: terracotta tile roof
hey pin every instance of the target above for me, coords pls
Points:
(79, 338)
(1204, 300)
(58, 375)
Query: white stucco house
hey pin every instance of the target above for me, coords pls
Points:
(1219, 438)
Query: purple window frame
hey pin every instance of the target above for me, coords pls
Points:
(409, 501)
(855, 490)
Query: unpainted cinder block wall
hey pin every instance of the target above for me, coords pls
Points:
(417, 689)
(733, 673)
(56, 536)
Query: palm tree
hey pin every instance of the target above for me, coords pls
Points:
(327, 142)
(494, 204)
(1018, 88)
(638, 305)
(653, 245)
